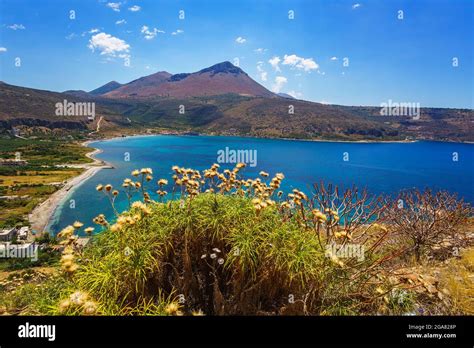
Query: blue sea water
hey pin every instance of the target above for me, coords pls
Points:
(382, 168)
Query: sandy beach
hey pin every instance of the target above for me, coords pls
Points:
(43, 212)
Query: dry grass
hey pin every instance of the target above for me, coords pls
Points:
(458, 279)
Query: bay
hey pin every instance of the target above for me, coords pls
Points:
(382, 168)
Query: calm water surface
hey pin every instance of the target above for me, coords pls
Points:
(380, 167)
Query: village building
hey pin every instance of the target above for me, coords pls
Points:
(7, 234)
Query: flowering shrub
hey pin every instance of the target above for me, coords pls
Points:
(227, 245)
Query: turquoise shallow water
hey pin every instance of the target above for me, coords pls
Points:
(380, 167)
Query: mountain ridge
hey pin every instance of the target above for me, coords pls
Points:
(218, 79)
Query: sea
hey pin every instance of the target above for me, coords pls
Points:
(381, 168)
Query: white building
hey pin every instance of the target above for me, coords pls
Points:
(7, 234)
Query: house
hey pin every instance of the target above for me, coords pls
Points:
(23, 233)
(7, 234)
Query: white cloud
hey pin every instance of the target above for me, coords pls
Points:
(70, 36)
(17, 27)
(93, 31)
(260, 50)
(357, 5)
(114, 6)
(150, 34)
(279, 83)
(240, 40)
(274, 63)
(134, 8)
(109, 45)
(263, 74)
(306, 64)
(294, 94)
(333, 58)
(122, 21)
(177, 32)
(3, 49)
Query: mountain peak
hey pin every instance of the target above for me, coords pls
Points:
(109, 86)
(224, 67)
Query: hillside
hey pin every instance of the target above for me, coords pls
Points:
(22, 106)
(223, 99)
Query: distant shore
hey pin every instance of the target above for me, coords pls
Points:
(366, 141)
(42, 214)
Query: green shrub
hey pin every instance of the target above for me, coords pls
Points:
(228, 246)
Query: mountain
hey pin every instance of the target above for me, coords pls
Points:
(287, 96)
(108, 87)
(222, 78)
(144, 86)
(78, 93)
(222, 99)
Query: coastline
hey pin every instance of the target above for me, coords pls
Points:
(263, 138)
(42, 214)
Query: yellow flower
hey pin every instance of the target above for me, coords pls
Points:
(135, 172)
(64, 305)
(99, 187)
(78, 298)
(66, 232)
(115, 192)
(264, 174)
(89, 230)
(172, 308)
(108, 187)
(116, 227)
(67, 258)
(162, 182)
(90, 307)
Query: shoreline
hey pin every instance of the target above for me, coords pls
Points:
(262, 138)
(43, 213)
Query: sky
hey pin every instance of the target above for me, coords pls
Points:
(365, 52)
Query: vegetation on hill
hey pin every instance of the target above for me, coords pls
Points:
(23, 187)
(226, 245)
(230, 114)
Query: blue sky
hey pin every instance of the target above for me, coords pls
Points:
(403, 60)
